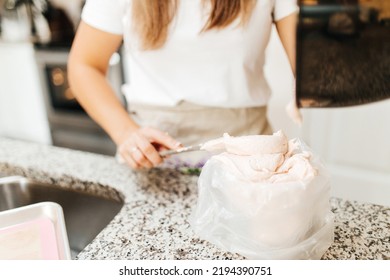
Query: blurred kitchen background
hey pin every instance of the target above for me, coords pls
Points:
(37, 105)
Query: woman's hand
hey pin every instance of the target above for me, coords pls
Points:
(140, 147)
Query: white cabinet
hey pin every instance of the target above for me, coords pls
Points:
(22, 110)
(355, 144)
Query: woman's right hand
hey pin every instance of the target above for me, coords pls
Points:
(140, 147)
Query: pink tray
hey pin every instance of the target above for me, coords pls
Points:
(35, 231)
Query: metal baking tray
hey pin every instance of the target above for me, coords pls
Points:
(36, 231)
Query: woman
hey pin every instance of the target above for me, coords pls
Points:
(196, 69)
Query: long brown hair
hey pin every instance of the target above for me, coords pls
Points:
(151, 18)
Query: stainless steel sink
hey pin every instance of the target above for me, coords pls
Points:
(85, 214)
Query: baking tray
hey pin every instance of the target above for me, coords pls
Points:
(36, 231)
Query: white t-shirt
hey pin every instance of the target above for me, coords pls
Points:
(222, 68)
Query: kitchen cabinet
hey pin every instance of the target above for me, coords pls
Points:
(22, 109)
(354, 142)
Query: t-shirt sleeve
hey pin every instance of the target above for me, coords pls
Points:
(284, 8)
(106, 15)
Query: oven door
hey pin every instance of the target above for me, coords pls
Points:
(60, 95)
(70, 126)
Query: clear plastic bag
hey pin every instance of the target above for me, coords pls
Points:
(287, 220)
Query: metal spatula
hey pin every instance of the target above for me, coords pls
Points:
(181, 150)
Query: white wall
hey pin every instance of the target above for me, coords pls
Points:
(22, 110)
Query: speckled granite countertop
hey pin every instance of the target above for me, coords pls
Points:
(153, 223)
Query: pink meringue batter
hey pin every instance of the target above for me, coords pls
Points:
(263, 158)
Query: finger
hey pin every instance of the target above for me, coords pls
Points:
(120, 159)
(148, 150)
(127, 157)
(162, 138)
(140, 158)
(129, 160)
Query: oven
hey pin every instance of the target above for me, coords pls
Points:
(70, 126)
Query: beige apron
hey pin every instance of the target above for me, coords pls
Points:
(193, 124)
